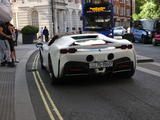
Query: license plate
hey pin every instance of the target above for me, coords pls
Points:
(101, 64)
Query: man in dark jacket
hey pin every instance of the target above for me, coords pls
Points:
(4, 45)
(46, 33)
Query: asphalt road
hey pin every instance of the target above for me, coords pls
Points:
(137, 98)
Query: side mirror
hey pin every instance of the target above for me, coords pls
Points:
(39, 45)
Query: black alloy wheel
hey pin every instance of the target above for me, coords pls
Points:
(154, 42)
(127, 74)
(144, 39)
(132, 38)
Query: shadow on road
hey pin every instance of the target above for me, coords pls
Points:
(96, 80)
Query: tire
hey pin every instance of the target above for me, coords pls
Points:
(51, 73)
(41, 60)
(132, 38)
(126, 75)
(129, 37)
(144, 39)
(154, 42)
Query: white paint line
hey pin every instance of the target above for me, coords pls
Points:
(155, 73)
(155, 63)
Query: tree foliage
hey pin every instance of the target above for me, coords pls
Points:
(149, 10)
(139, 3)
(135, 16)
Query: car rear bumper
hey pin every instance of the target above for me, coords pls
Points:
(81, 68)
(157, 40)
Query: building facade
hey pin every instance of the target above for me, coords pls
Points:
(123, 10)
(61, 16)
(58, 16)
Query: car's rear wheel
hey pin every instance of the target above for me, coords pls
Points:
(144, 39)
(127, 74)
(154, 42)
(132, 38)
(41, 60)
(51, 73)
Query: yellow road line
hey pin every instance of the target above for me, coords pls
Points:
(43, 98)
(41, 93)
(48, 95)
(49, 98)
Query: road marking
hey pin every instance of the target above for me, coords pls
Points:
(40, 81)
(155, 73)
(155, 63)
(41, 93)
(48, 95)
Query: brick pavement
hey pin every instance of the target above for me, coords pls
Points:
(9, 86)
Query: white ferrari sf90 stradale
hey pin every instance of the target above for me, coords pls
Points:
(87, 54)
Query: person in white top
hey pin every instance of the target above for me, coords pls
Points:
(5, 11)
(5, 16)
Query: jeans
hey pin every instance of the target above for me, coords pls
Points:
(4, 50)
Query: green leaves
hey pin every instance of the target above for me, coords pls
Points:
(149, 10)
(29, 29)
(135, 16)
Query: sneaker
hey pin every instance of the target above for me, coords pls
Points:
(3, 64)
(16, 61)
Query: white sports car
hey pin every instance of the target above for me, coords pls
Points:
(87, 54)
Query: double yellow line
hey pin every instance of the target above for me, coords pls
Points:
(41, 87)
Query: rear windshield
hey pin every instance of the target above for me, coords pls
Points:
(84, 37)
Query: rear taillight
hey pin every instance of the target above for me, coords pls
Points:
(130, 46)
(65, 51)
(72, 50)
(125, 47)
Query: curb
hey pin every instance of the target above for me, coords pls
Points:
(142, 59)
(23, 105)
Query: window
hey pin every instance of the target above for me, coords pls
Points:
(97, 1)
(74, 19)
(34, 16)
(128, 2)
(128, 12)
(13, 0)
(121, 1)
(77, 1)
(121, 11)
(116, 10)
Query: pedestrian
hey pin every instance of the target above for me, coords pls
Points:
(11, 31)
(46, 33)
(41, 34)
(4, 46)
(80, 31)
(5, 16)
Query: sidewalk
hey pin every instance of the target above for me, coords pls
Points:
(15, 103)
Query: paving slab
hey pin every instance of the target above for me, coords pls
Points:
(15, 103)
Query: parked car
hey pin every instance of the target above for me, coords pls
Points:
(87, 54)
(156, 39)
(156, 35)
(143, 30)
(120, 30)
